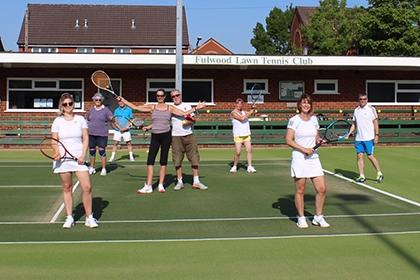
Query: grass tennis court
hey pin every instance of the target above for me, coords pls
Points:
(243, 227)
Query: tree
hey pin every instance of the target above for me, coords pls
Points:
(277, 38)
(333, 29)
(391, 28)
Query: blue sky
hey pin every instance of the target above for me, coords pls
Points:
(229, 22)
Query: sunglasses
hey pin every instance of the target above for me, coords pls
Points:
(362, 98)
(160, 96)
(176, 95)
(98, 99)
(68, 104)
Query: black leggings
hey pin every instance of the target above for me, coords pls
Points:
(162, 141)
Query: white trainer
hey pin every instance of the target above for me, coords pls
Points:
(179, 186)
(302, 222)
(103, 172)
(161, 189)
(132, 159)
(251, 169)
(91, 222)
(111, 159)
(69, 222)
(199, 186)
(92, 170)
(319, 221)
(145, 189)
(233, 169)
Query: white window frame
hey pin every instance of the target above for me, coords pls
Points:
(85, 50)
(122, 50)
(162, 50)
(48, 50)
(255, 81)
(396, 82)
(317, 82)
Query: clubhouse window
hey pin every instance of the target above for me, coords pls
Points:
(394, 92)
(192, 90)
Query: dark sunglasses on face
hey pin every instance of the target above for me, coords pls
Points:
(98, 99)
(160, 96)
(362, 98)
(176, 95)
(68, 104)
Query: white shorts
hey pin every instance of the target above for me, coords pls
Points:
(126, 135)
(307, 167)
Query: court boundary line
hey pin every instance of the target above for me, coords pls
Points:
(374, 189)
(224, 219)
(54, 218)
(213, 238)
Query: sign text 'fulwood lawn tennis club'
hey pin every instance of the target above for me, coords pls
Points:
(244, 60)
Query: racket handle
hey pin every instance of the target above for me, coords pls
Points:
(317, 145)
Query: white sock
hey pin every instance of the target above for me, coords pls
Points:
(130, 154)
(379, 173)
(160, 186)
(196, 180)
(180, 180)
(113, 155)
(362, 175)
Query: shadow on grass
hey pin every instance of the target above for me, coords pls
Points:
(287, 207)
(98, 207)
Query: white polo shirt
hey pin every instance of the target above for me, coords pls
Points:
(364, 117)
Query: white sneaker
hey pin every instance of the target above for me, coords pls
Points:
(132, 159)
(111, 159)
(91, 222)
(161, 189)
(251, 169)
(69, 222)
(302, 222)
(145, 189)
(103, 172)
(199, 186)
(179, 186)
(92, 170)
(233, 169)
(319, 221)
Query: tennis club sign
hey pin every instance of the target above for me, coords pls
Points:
(253, 60)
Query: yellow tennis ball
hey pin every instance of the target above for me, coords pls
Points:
(256, 111)
(341, 111)
(415, 110)
(379, 111)
(184, 122)
(208, 111)
(297, 111)
(147, 151)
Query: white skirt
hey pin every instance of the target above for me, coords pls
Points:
(68, 165)
(306, 167)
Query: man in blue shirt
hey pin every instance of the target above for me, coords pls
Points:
(121, 115)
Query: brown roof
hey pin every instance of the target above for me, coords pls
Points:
(108, 25)
(304, 13)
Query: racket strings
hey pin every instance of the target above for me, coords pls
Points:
(137, 122)
(101, 80)
(49, 146)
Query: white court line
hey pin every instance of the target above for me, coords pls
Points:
(213, 238)
(31, 186)
(227, 219)
(54, 218)
(374, 189)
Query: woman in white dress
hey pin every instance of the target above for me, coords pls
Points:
(72, 131)
(302, 134)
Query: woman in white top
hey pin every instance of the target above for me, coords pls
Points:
(241, 135)
(72, 131)
(303, 134)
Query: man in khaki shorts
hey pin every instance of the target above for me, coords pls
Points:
(184, 143)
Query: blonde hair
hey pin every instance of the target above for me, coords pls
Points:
(238, 100)
(63, 97)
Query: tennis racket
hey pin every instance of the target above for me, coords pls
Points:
(256, 92)
(101, 80)
(335, 131)
(123, 122)
(49, 146)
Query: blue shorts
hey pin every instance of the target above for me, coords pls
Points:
(98, 141)
(364, 147)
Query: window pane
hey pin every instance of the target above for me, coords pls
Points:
(71, 84)
(408, 86)
(408, 97)
(45, 84)
(250, 85)
(20, 84)
(381, 92)
(39, 99)
(196, 91)
(158, 85)
(325, 87)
